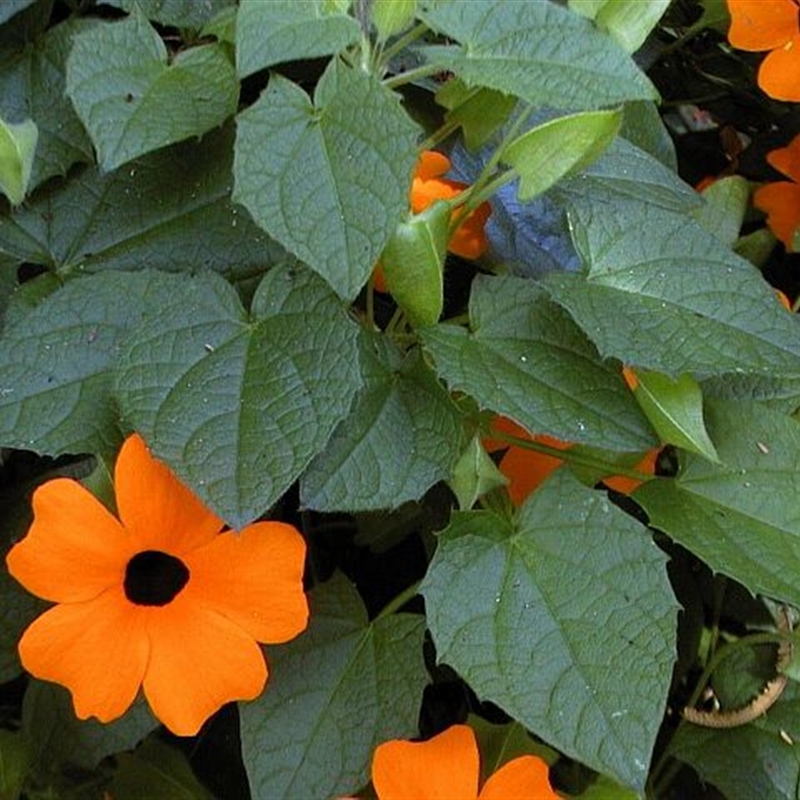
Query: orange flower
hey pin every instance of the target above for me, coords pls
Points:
(469, 239)
(158, 598)
(527, 469)
(447, 767)
(780, 201)
(770, 25)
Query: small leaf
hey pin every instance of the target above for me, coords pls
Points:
(14, 758)
(58, 738)
(237, 405)
(12, 7)
(17, 146)
(335, 693)
(509, 610)
(132, 101)
(480, 112)
(333, 183)
(391, 17)
(156, 770)
(540, 52)
(526, 360)
(740, 516)
(55, 363)
(402, 436)
(548, 152)
(285, 30)
(724, 209)
(628, 21)
(675, 410)
(413, 264)
(474, 475)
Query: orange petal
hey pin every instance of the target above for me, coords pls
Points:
(524, 778)
(779, 73)
(75, 548)
(199, 660)
(469, 240)
(254, 578)
(97, 649)
(761, 24)
(431, 164)
(630, 378)
(154, 506)
(443, 768)
(787, 159)
(783, 300)
(781, 203)
(526, 470)
(626, 485)
(379, 279)
(427, 192)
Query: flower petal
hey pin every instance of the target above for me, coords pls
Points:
(154, 506)
(75, 548)
(431, 164)
(199, 661)
(426, 192)
(254, 578)
(781, 203)
(760, 25)
(469, 240)
(779, 73)
(443, 768)
(524, 778)
(625, 485)
(97, 649)
(787, 159)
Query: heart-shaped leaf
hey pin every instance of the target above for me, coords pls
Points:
(335, 693)
(238, 406)
(403, 435)
(17, 146)
(525, 359)
(132, 100)
(328, 180)
(565, 619)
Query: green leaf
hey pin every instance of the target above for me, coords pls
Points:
(724, 209)
(675, 410)
(336, 692)
(413, 264)
(55, 364)
(780, 393)
(156, 770)
(170, 210)
(132, 100)
(499, 744)
(403, 435)
(548, 152)
(32, 84)
(391, 17)
(178, 13)
(605, 788)
(238, 405)
(285, 30)
(474, 475)
(14, 759)
(525, 359)
(17, 146)
(57, 737)
(629, 22)
(12, 7)
(754, 760)
(740, 517)
(333, 183)
(9, 268)
(643, 127)
(540, 52)
(17, 610)
(679, 300)
(478, 111)
(529, 614)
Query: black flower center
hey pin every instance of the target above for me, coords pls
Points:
(153, 578)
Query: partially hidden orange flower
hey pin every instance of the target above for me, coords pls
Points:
(428, 186)
(773, 25)
(447, 767)
(158, 599)
(780, 201)
(527, 469)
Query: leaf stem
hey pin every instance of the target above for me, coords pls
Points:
(415, 74)
(569, 455)
(406, 39)
(398, 602)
